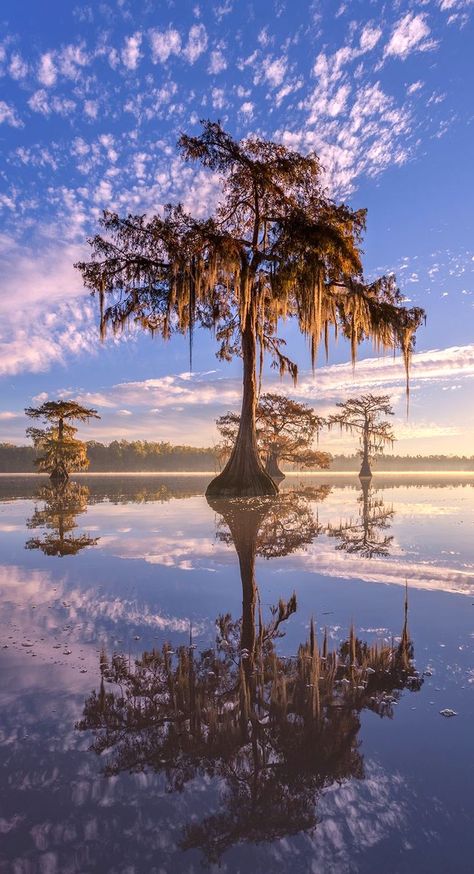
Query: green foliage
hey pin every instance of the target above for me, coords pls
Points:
(58, 451)
(123, 455)
(147, 455)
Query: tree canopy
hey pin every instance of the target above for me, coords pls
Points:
(285, 431)
(59, 451)
(57, 517)
(275, 247)
(363, 416)
(366, 535)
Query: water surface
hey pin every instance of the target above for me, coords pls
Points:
(242, 686)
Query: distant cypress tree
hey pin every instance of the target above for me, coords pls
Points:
(362, 416)
(285, 431)
(60, 451)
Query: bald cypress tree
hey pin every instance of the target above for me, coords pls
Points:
(59, 450)
(363, 416)
(276, 247)
(286, 430)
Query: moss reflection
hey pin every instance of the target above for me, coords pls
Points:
(274, 731)
(61, 505)
(367, 535)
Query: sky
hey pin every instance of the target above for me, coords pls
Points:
(92, 100)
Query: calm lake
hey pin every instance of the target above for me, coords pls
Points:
(247, 686)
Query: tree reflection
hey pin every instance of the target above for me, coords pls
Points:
(62, 503)
(366, 535)
(274, 731)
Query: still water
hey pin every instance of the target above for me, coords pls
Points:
(247, 686)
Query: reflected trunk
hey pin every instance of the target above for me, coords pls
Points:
(243, 521)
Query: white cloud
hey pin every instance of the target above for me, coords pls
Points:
(288, 88)
(222, 10)
(47, 72)
(91, 108)
(247, 109)
(71, 59)
(8, 115)
(46, 104)
(354, 130)
(131, 51)
(415, 86)
(196, 44)
(369, 38)
(218, 98)
(329, 384)
(420, 575)
(164, 43)
(42, 275)
(448, 5)
(18, 68)
(217, 63)
(43, 340)
(274, 70)
(410, 34)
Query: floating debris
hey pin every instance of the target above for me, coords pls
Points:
(447, 712)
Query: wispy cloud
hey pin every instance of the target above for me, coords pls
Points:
(9, 115)
(410, 34)
(131, 51)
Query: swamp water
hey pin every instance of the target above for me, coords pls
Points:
(280, 685)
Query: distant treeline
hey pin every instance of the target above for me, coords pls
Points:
(406, 462)
(120, 455)
(144, 455)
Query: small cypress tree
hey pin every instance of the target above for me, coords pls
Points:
(59, 450)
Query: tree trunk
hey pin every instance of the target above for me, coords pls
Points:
(272, 468)
(244, 475)
(59, 474)
(365, 471)
(365, 483)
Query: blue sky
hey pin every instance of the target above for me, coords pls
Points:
(92, 100)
